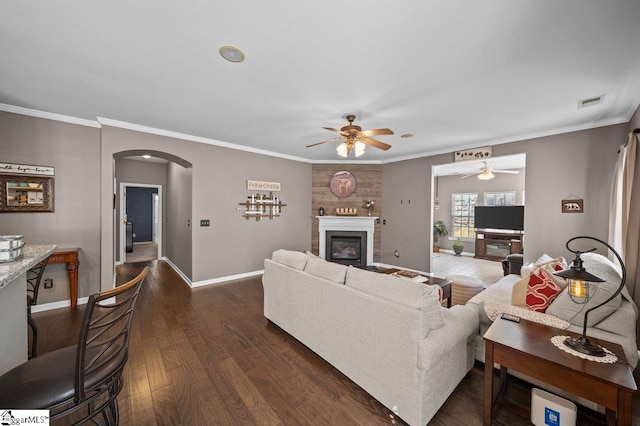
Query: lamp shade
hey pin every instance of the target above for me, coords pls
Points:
(342, 150)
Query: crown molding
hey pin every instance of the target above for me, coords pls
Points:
(160, 132)
(49, 115)
(518, 138)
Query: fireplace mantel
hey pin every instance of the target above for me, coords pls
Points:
(346, 223)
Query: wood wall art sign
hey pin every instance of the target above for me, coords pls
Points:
(343, 184)
(472, 154)
(258, 185)
(573, 205)
(26, 169)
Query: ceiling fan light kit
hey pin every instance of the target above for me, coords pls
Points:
(486, 175)
(487, 172)
(356, 139)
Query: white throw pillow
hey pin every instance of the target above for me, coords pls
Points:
(295, 259)
(565, 308)
(328, 270)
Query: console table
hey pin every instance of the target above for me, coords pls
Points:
(527, 348)
(70, 257)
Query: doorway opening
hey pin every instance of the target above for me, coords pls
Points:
(458, 188)
(140, 227)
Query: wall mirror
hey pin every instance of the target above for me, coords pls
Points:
(26, 193)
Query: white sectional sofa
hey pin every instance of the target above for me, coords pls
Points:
(613, 322)
(389, 335)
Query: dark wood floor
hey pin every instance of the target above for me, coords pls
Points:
(208, 356)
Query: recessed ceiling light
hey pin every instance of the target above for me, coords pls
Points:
(231, 53)
(146, 156)
(407, 135)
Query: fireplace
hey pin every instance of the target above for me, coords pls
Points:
(362, 227)
(347, 247)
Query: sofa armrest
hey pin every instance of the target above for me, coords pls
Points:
(460, 325)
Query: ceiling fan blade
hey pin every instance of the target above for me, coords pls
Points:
(466, 176)
(331, 129)
(377, 132)
(375, 143)
(328, 140)
(513, 172)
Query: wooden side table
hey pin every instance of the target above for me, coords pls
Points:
(526, 347)
(70, 257)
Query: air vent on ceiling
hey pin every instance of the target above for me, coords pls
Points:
(596, 100)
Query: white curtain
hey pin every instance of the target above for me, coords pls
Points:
(624, 217)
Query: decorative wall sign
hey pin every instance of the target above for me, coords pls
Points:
(343, 184)
(26, 193)
(258, 185)
(26, 169)
(473, 154)
(573, 205)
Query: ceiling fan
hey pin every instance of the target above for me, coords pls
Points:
(356, 138)
(486, 172)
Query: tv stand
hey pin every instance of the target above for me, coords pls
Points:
(496, 244)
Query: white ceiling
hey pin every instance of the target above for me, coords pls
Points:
(456, 74)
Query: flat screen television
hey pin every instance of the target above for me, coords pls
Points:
(499, 217)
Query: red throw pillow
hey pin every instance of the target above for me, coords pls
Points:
(541, 291)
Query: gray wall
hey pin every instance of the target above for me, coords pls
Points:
(635, 120)
(74, 151)
(571, 164)
(232, 244)
(448, 185)
(178, 221)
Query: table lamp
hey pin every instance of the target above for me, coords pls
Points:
(580, 283)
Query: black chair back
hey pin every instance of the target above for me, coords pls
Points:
(103, 346)
(34, 277)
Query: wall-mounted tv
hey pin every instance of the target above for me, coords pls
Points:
(499, 217)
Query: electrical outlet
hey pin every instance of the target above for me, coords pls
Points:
(133, 235)
(205, 222)
(48, 282)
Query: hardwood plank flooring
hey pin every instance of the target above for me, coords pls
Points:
(208, 356)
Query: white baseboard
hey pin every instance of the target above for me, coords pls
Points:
(211, 281)
(219, 280)
(57, 305)
(227, 278)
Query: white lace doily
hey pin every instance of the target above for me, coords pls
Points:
(609, 358)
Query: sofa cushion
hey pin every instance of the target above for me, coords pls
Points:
(541, 290)
(415, 295)
(328, 270)
(563, 307)
(295, 259)
(519, 292)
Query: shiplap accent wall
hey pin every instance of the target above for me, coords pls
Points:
(369, 187)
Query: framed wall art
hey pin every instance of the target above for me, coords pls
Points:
(26, 193)
(343, 184)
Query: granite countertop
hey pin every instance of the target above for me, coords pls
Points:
(32, 254)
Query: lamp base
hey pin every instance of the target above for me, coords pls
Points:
(584, 345)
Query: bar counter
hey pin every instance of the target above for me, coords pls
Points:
(13, 305)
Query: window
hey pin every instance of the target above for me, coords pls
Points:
(505, 198)
(462, 215)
